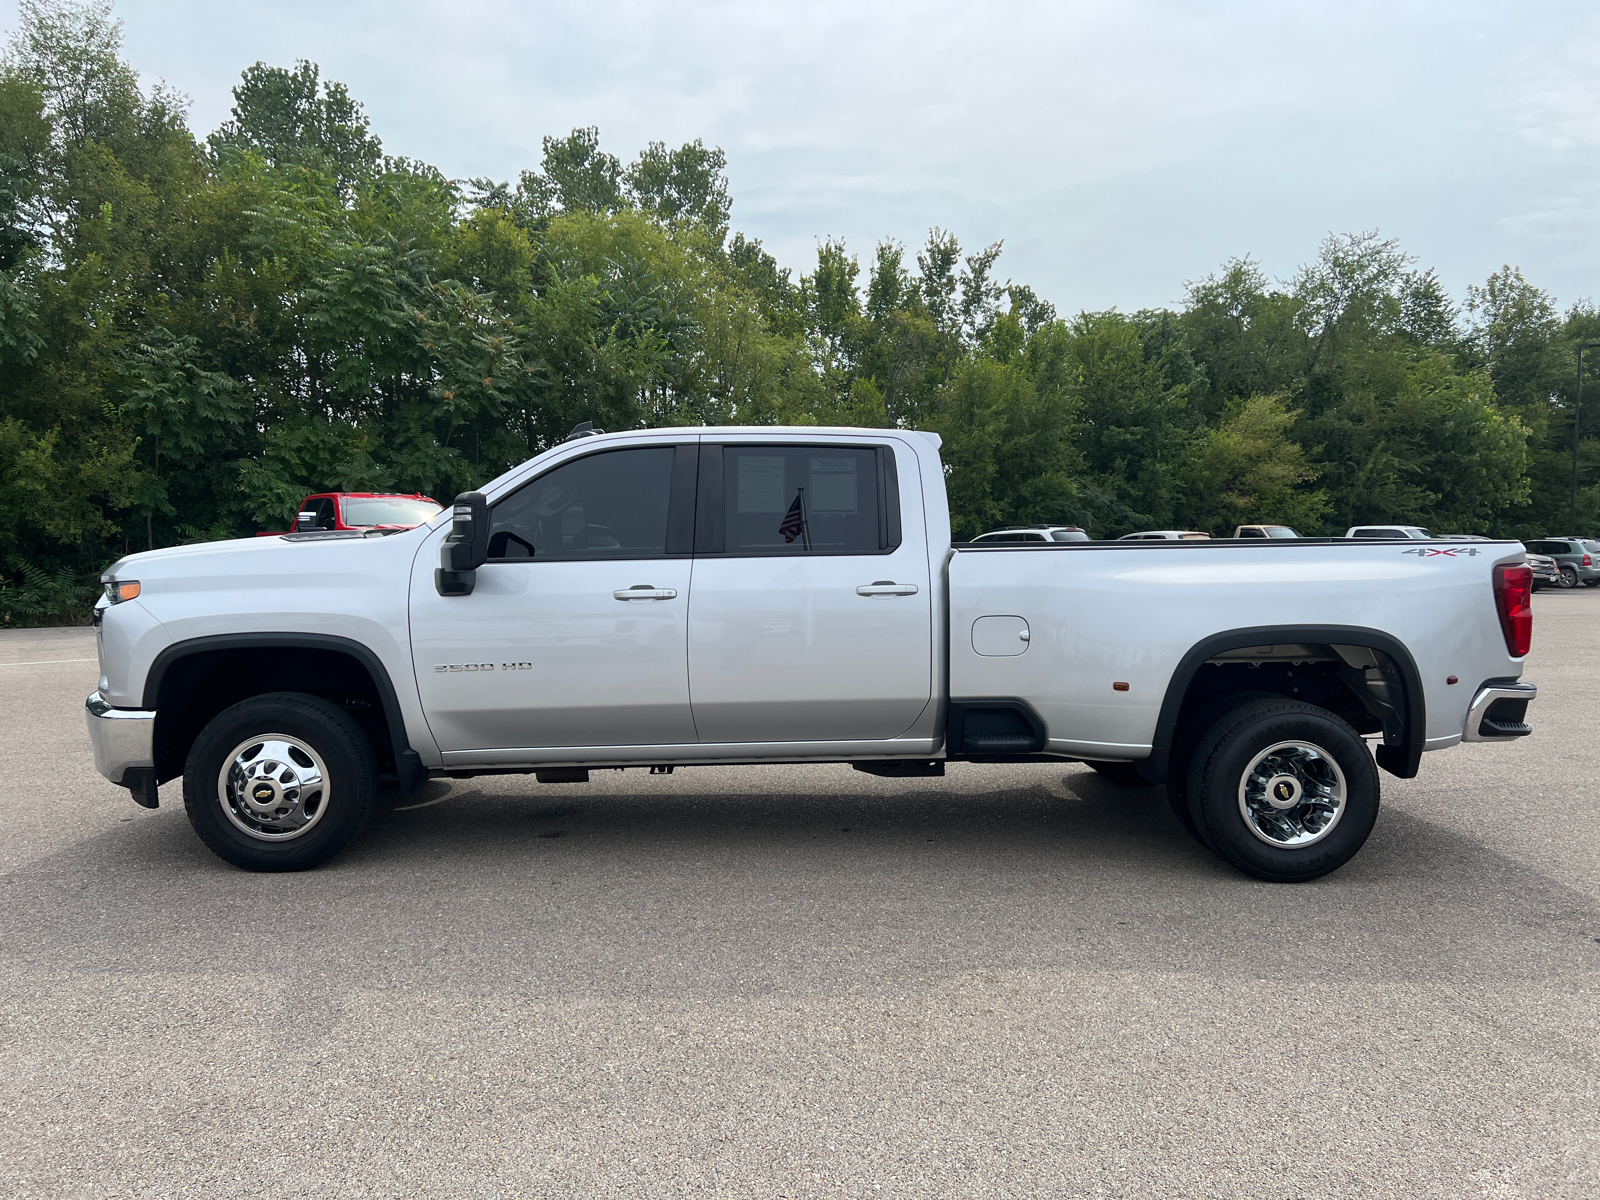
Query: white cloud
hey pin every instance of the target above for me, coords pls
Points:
(1553, 95)
(1119, 147)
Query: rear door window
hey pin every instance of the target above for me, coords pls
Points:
(797, 500)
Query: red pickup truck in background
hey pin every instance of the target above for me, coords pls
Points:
(362, 510)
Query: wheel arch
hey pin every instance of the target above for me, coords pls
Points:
(317, 663)
(1401, 750)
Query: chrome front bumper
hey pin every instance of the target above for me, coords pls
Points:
(1488, 720)
(123, 738)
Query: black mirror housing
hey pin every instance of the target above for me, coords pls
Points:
(466, 548)
(468, 544)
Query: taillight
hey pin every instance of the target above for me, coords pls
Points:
(1513, 596)
(1587, 561)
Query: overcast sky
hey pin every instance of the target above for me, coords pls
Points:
(1119, 148)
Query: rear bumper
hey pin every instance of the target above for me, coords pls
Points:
(1499, 712)
(123, 739)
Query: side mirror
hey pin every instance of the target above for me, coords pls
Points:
(466, 548)
(305, 521)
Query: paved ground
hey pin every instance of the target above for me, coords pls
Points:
(1016, 981)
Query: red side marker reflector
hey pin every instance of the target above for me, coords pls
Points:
(1452, 679)
(1119, 687)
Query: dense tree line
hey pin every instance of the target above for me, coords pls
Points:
(196, 333)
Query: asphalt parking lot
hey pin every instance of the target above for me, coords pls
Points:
(1015, 981)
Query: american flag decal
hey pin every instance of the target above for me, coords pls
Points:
(794, 521)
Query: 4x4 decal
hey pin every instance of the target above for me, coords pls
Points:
(1435, 552)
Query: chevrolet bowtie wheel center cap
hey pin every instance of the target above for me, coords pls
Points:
(1283, 792)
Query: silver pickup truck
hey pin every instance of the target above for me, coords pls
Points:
(676, 597)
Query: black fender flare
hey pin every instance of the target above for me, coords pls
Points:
(1400, 758)
(408, 763)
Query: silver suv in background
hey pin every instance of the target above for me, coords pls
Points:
(1578, 559)
(1394, 532)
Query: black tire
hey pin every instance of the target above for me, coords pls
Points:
(1184, 743)
(327, 819)
(1217, 775)
(1569, 577)
(1590, 582)
(1123, 774)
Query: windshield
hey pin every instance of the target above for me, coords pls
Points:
(387, 510)
(1281, 531)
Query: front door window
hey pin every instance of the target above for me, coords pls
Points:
(610, 505)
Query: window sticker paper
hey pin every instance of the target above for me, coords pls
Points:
(761, 483)
(833, 485)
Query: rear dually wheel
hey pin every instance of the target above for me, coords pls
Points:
(1284, 791)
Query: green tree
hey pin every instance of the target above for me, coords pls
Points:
(181, 408)
(686, 185)
(292, 119)
(1248, 470)
(576, 176)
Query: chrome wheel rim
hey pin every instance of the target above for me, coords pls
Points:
(273, 787)
(1292, 795)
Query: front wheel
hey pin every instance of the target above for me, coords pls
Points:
(279, 782)
(1569, 577)
(1284, 791)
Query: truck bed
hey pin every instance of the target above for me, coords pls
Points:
(1100, 690)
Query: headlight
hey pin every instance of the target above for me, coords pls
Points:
(118, 590)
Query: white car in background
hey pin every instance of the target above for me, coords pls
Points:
(1415, 533)
(1264, 531)
(1034, 533)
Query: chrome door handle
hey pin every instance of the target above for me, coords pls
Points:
(644, 591)
(886, 587)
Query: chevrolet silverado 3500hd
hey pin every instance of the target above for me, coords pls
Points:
(779, 595)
